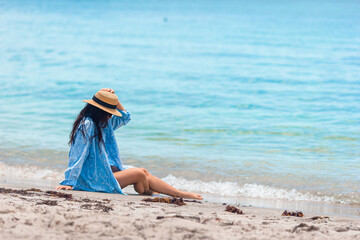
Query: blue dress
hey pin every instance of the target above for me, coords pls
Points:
(89, 166)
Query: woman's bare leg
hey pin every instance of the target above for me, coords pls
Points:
(144, 182)
(160, 186)
(133, 176)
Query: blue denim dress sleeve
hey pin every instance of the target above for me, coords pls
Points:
(117, 122)
(89, 167)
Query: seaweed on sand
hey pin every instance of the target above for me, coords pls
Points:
(97, 206)
(27, 192)
(33, 190)
(304, 227)
(295, 214)
(86, 206)
(233, 209)
(177, 201)
(103, 207)
(192, 218)
(59, 195)
(195, 201)
(318, 217)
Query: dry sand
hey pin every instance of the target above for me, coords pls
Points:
(37, 215)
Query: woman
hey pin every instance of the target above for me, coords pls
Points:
(94, 160)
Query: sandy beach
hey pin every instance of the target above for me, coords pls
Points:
(252, 104)
(45, 214)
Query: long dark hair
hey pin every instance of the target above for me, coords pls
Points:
(98, 116)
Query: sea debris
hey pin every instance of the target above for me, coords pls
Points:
(97, 206)
(27, 192)
(342, 229)
(33, 190)
(305, 227)
(86, 200)
(319, 217)
(103, 207)
(233, 209)
(169, 200)
(47, 202)
(192, 218)
(294, 214)
(86, 206)
(59, 195)
(195, 201)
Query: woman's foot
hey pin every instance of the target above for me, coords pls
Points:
(149, 192)
(191, 195)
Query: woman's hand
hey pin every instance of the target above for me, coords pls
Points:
(107, 90)
(118, 105)
(64, 187)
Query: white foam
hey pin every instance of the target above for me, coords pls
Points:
(10, 173)
(232, 189)
(25, 172)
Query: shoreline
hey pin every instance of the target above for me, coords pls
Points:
(264, 194)
(313, 207)
(90, 215)
(322, 208)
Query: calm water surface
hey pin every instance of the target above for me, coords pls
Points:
(259, 98)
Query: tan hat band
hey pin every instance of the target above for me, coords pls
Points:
(102, 103)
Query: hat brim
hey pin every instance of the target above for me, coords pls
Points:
(108, 110)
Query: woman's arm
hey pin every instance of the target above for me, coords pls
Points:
(116, 121)
(119, 105)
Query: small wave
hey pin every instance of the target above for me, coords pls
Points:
(232, 189)
(9, 173)
(26, 172)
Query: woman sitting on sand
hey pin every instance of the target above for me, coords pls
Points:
(94, 160)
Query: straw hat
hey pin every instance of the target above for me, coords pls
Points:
(106, 101)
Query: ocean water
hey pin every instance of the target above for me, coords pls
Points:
(256, 99)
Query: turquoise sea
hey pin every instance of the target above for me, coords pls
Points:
(257, 99)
